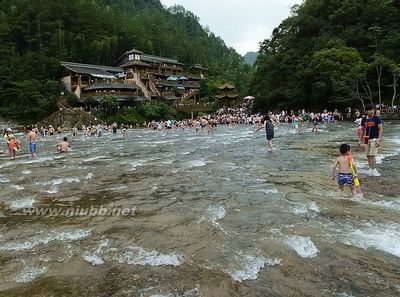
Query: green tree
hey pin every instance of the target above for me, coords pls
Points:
(338, 71)
(109, 103)
(72, 99)
(394, 69)
(89, 102)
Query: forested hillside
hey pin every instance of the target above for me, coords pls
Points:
(36, 34)
(331, 53)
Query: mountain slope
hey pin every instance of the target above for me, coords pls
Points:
(35, 35)
(330, 54)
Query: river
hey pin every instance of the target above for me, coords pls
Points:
(210, 215)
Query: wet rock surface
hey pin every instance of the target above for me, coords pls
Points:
(215, 215)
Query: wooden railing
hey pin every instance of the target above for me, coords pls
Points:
(141, 85)
(153, 88)
(189, 95)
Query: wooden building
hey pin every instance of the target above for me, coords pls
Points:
(198, 70)
(123, 92)
(78, 76)
(227, 96)
(135, 75)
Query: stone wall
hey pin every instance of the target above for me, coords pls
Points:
(69, 118)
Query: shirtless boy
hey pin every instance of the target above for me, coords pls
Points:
(32, 136)
(345, 176)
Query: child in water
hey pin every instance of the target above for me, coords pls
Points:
(345, 176)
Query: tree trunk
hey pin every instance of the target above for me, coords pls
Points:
(379, 72)
(359, 97)
(367, 90)
(40, 44)
(395, 79)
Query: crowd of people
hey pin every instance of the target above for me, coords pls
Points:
(369, 131)
(241, 116)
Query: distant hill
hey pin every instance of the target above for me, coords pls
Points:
(251, 57)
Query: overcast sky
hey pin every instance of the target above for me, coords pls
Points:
(241, 24)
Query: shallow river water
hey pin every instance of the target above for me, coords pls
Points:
(210, 215)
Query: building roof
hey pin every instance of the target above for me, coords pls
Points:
(230, 96)
(195, 78)
(226, 86)
(158, 60)
(197, 67)
(111, 86)
(93, 70)
(135, 63)
(174, 83)
(132, 51)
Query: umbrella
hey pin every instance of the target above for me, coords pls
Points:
(172, 77)
(183, 78)
(120, 75)
(248, 98)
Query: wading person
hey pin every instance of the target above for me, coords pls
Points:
(269, 130)
(345, 176)
(63, 146)
(12, 143)
(371, 136)
(314, 121)
(296, 124)
(32, 136)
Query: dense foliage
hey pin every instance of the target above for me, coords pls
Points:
(140, 114)
(36, 34)
(333, 54)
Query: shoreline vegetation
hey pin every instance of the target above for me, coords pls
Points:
(324, 54)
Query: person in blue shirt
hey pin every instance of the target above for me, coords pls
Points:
(371, 136)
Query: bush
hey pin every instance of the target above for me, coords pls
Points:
(143, 113)
(72, 100)
(89, 101)
(133, 117)
(157, 111)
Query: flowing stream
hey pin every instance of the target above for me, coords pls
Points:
(211, 215)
